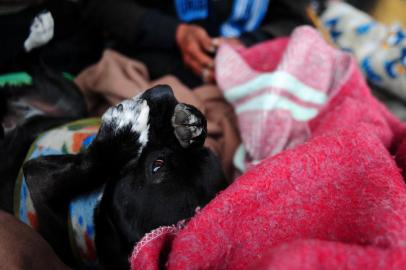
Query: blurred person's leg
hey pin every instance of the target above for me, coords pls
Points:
(23, 248)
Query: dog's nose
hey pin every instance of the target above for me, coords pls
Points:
(159, 92)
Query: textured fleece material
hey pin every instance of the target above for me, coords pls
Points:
(337, 201)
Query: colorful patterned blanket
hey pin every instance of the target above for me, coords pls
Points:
(68, 139)
(379, 49)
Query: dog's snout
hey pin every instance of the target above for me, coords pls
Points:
(162, 90)
(159, 92)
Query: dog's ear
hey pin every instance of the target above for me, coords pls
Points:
(60, 177)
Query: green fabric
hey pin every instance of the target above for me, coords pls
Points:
(23, 78)
(17, 78)
(68, 76)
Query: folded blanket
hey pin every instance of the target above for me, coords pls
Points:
(276, 88)
(337, 201)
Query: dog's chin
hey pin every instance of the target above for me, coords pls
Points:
(111, 256)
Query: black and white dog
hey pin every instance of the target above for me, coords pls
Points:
(149, 156)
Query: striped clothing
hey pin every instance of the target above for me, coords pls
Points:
(246, 15)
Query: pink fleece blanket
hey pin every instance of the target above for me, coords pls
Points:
(336, 201)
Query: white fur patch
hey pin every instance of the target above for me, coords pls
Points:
(41, 31)
(130, 112)
(141, 125)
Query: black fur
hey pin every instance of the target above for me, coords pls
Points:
(138, 197)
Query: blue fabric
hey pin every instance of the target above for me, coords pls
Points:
(391, 65)
(192, 10)
(331, 24)
(246, 15)
(400, 35)
(364, 28)
(81, 226)
(369, 71)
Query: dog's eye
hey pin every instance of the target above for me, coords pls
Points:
(157, 165)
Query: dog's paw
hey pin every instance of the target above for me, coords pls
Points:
(131, 116)
(189, 125)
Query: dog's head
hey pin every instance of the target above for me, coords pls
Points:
(149, 154)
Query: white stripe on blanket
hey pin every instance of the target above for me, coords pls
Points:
(278, 79)
(271, 101)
